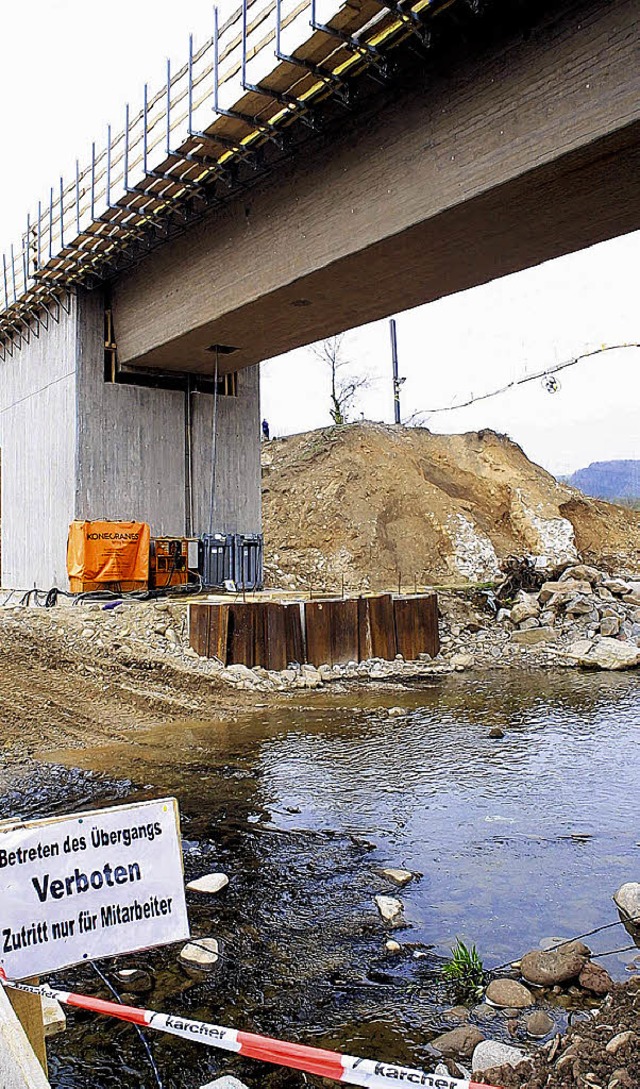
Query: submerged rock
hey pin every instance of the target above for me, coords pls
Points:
(496, 732)
(135, 980)
(398, 876)
(389, 908)
(459, 1041)
(202, 953)
(539, 1024)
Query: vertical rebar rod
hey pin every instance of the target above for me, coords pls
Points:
(244, 43)
(13, 274)
(168, 106)
(61, 214)
(145, 125)
(50, 223)
(77, 197)
(6, 282)
(278, 26)
(190, 99)
(216, 59)
(93, 182)
(25, 258)
(39, 236)
(108, 166)
(126, 148)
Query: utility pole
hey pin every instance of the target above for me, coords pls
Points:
(397, 382)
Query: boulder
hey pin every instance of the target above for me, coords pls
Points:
(525, 610)
(633, 598)
(546, 969)
(530, 624)
(617, 586)
(603, 653)
(609, 626)
(582, 573)
(579, 606)
(389, 908)
(627, 901)
(392, 947)
(396, 712)
(539, 1024)
(496, 732)
(209, 883)
(459, 1041)
(563, 591)
(490, 1053)
(595, 978)
(509, 994)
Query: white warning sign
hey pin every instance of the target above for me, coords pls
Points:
(90, 885)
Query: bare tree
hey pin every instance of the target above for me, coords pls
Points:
(345, 382)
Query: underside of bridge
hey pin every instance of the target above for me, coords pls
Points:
(509, 148)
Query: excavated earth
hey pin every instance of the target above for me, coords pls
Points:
(372, 507)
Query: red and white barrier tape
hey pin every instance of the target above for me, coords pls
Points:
(313, 1060)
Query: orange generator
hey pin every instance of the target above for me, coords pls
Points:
(108, 556)
(173, 561)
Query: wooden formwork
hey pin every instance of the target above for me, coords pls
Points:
(336, 631)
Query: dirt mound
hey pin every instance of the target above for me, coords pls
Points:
(374, 506)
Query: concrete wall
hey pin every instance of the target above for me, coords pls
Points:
(237, 504)
(74, 446)
(131, 446)
(38, 446)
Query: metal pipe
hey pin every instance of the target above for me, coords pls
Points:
(216, 59)
(396, 380)
(188, 455)
(13, 274)
(77, 197)
(39, 236)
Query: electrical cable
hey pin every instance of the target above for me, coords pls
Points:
(145, 1042)
(528, 378)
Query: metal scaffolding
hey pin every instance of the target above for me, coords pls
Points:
(268, 68)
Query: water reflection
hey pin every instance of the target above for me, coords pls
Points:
(516, 839)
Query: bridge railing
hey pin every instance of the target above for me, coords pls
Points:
(261, 70)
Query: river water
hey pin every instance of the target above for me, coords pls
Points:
(516, 840)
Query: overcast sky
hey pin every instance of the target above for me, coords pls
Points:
(66, 70)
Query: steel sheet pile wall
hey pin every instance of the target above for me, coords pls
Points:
(271, 634)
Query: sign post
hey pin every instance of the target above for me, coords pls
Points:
(87, 886)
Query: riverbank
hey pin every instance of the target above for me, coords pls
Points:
(73, 674)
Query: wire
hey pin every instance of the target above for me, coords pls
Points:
(145, 1042)
(635, 920)
(528, 378)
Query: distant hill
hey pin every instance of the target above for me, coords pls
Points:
(608, 479)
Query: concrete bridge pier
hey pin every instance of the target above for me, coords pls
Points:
(76, 445)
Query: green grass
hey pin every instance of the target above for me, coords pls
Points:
(465, 970)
